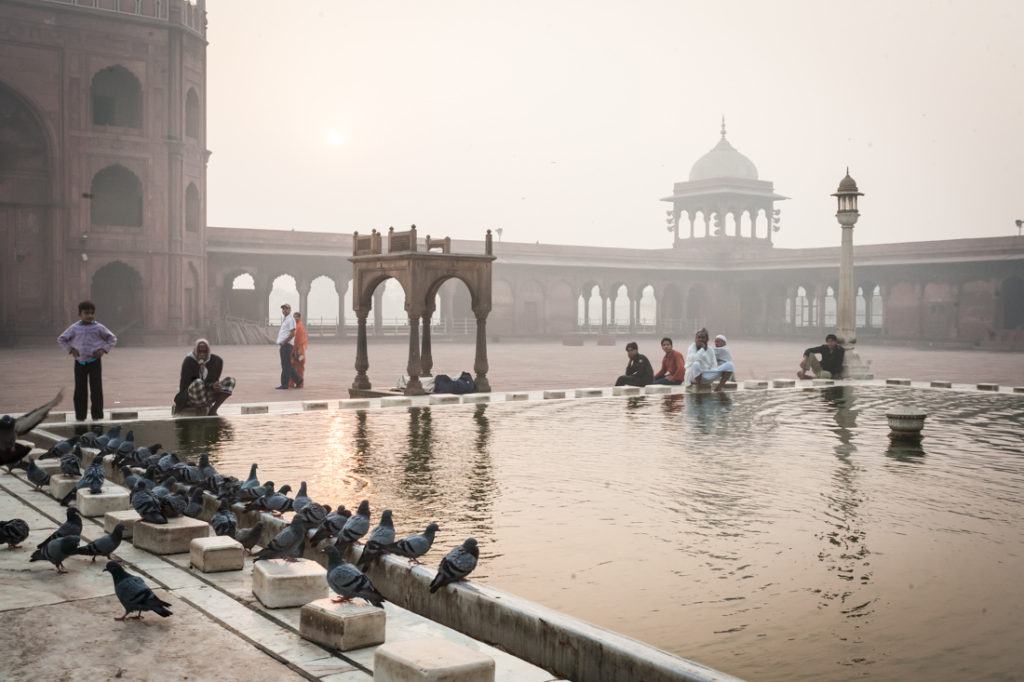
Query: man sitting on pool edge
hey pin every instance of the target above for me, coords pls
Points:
(831, 364)
(639, 371)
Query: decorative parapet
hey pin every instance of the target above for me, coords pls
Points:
(367, 244)
(401, 241)
(191, 15)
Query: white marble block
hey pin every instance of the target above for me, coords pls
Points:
(50, 466)
(627, 390)
(111, 497)
(897, 382)
(128, 517)
(216, 553)
(395, 402)
(342, 626)
(517, 396)
(755, 384)
(988, 387)
(657, 389)
(430, 659)
(942, 384)
(174, 537)
(554, 395)
(281, 584)
(589, 392)
(62, 485)
(255, 409)
(445, 399)
(783, 383)
(476, 398)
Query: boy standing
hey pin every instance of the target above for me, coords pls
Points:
(88, 341)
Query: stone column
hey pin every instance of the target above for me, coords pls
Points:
(378, 310)
(413, 367)
(480, 364)
(361, 382)
(426, 359)
(303, 287)
(846, 314)
(340, 289)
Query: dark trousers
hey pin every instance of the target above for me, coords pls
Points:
(89, 379)
(287, 371)
(629, 380)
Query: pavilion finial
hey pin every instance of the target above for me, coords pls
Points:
(723, 126)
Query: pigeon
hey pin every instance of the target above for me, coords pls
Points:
(302, 500)
(288, 544)
(252, 481)
(383, 534)
(414, 546)
(57, 550)
(10, 428)
(101, 441)
(72, 526)
(187, 473)
(92, 479)
(174, 505)
(124, 451)
(141, 454)
(356, 527)
(71, 462)
(195, 503)
(131, 478)
(256, 492)
(166, 462)
(348, 581)
(13, 532)
(60, 449)
(114, 442)
(146, 504)
(224, 522)
(332, 525)
(314, 514)
(276, 503)
(459, 563)
(165, 487)
(103, 546)
(134, 594)
(205, 468)
(37, 476)
(248, 537)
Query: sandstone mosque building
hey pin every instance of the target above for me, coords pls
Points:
(103, 160)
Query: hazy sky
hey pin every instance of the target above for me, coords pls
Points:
(566, 122)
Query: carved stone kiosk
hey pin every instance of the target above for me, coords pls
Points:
(421, 274)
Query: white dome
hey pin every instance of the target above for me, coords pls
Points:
(723, 162)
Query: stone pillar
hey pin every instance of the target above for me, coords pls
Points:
(378, 310)
(605, 301)
(263, 302)
(303, 288)
(426, 359)
(362, 357)
(413, 367)
(340, 289)
(846, 314)
(634, 314)
(692, 216)
(480, 363)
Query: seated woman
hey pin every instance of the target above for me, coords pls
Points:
(201, 385)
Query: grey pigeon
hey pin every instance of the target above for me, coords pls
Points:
(165, 487)
(103, 546)
(348, 581)
(62, 448)
(459, 563)
(114, 442)
(195, 503)
(314, 514)
(146, 504)
(276, 503)
(288, 544)
(92, 478)
(13, 533)
(383, 534)
(332, 525)
(414, 546)
(224, 522)
(252, 481)
(356, 527)
(37, 476)
(256, 492)
(302, 500)
(205, 468)
(10, 429)
(248, 537)
(72, 526)
(174, 505)
(134, 594)
(166, 462)
(57, 550)
(71, 462)
(187, 473)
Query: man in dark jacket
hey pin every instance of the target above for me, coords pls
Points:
(831, 364)
(200, 384)
(639, 371)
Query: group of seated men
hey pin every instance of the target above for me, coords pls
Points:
(702, 365)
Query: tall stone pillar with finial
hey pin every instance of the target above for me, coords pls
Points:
(847, 215)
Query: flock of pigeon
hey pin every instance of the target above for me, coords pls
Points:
(162, 486)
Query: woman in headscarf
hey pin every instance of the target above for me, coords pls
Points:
(201, 385)
(299, 351)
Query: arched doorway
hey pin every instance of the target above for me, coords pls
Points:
(117, 293)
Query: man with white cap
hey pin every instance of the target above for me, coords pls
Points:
(723, 366)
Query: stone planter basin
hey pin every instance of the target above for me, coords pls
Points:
(906, 423)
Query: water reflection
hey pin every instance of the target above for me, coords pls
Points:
(202, 435)
(909, 452)
(418, 475)
(483, 435)
(707, 410)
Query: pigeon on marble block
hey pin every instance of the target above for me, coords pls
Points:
(252, 481)
(347, 581)
(256, 492)
(355, 528)
(91, 440)
(131, 478)
(195, 502)
(314, 514)
(134, 594)
(414, 546)
(71, 462)
(164, 488)
(141, 455)
(302, 499)
(459, 563)
(382, 534)
(103, 546)
(332, 525)
(146, 504)
(114, 442)
(37, 476)
(124, 451)
(166, 462)
(207, 470)
(62, 448)
(248, 537)
(56, 551)
(11, 428)
(72, 526)
(276, 502)
(187, 473)
(224, 522)
(288, 544)
(13, 533)
(174, 504)
(92, 478)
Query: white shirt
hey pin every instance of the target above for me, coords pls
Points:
(286, 330)
(698, 361)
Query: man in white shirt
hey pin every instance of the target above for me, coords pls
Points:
(284, 342)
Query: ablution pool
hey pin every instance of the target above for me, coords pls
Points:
(773, 535)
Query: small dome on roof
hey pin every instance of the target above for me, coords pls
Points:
(847, 184)
(723, 162)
